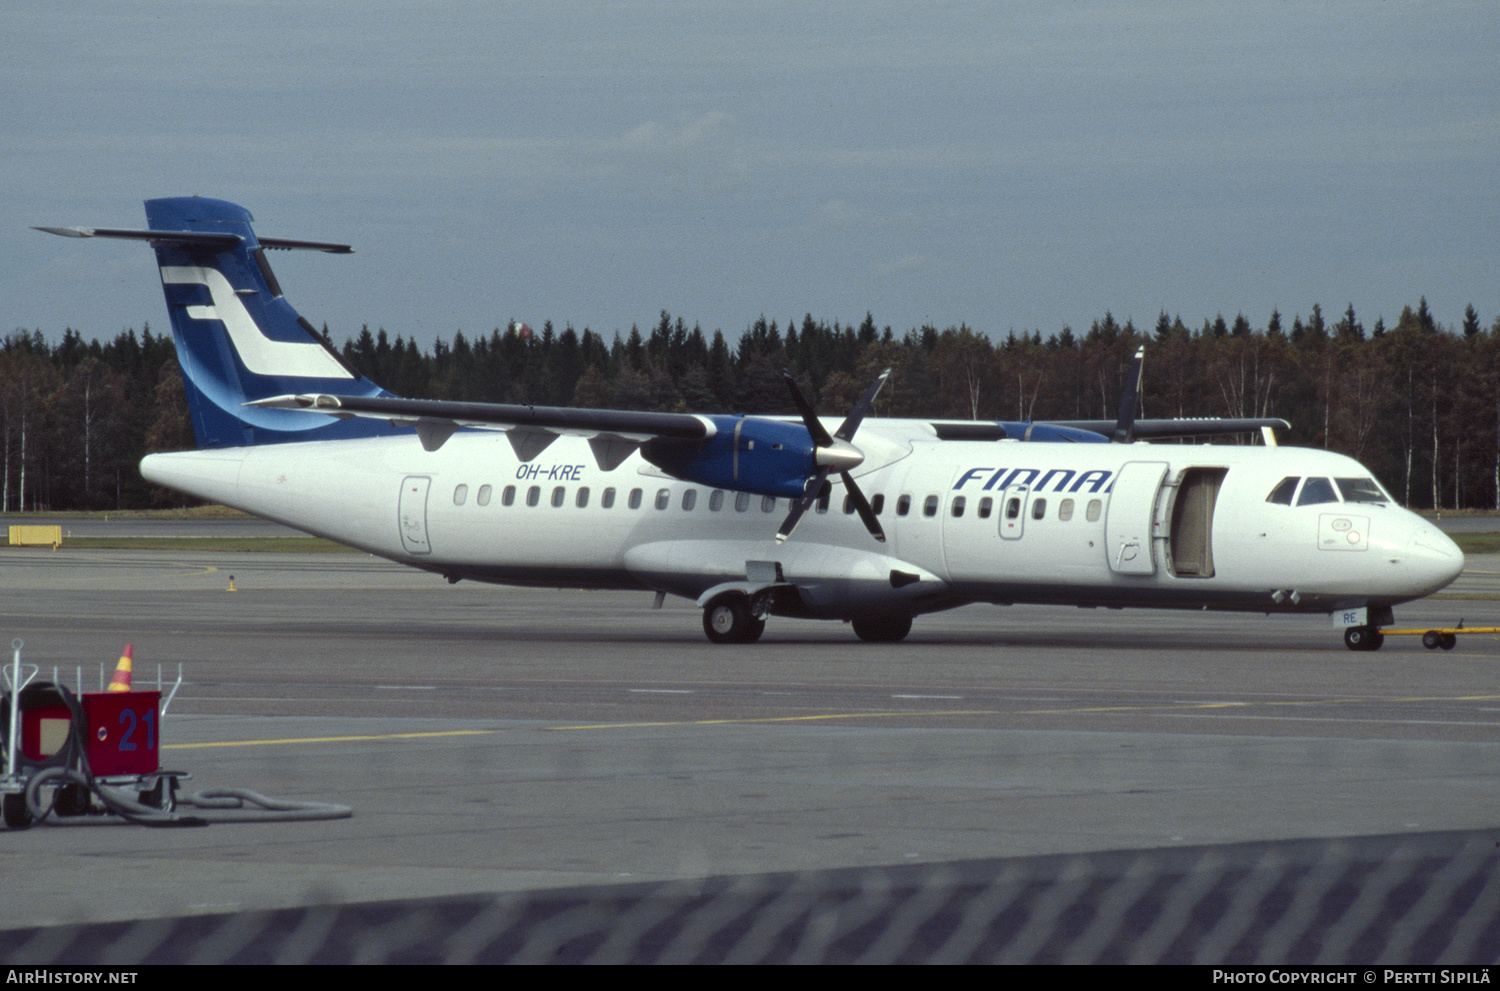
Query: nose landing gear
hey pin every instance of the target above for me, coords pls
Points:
(1363, 638)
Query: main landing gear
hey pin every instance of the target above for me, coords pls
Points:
(735, 618)
(881, 629)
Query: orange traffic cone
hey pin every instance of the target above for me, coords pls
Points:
(121, 681)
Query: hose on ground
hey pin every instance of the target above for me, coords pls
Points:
(215, 800)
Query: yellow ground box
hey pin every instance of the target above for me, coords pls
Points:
(46, 536)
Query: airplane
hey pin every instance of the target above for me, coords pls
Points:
(758, 516)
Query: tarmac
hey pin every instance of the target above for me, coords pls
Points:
(505, 750)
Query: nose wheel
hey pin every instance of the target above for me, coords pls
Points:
(1363, 638)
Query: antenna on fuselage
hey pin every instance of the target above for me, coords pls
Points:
(1125, 422)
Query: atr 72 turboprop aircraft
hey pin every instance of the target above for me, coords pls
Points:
(703, 506)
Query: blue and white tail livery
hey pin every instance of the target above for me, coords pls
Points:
(893, 518)
(238, 339)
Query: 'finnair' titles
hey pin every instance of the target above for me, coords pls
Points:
(1037, 479)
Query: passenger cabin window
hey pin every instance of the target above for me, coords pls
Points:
(1284, 490)
(1065, 510)
(635, 499)
(607, 498)
(930, 506)
(484, 495)
(1012, 508)
(877, 504)
(1038, 508)
(1095, 507)
(663, 498)
(986, 506)
(583, 498)
(460, 494)
(533, 495)
(689, 499)
(559, 496)
(903, 504)
(1316, 491)
(716, 500)
(741, 502)
(958, 507)
(508, 496)
(768, 504)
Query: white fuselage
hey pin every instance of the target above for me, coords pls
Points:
(966, 521)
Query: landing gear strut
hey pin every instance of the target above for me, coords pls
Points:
(1363, 638)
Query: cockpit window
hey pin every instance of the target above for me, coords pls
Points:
(1284, 490)
(1315, 491)
(1361, 490)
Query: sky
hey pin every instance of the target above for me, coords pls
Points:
(1006, 166)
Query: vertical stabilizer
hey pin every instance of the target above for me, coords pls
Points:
(237, 337)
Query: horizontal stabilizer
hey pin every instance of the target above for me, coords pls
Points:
(200, 239)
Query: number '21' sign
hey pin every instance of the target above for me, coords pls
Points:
(123, 732)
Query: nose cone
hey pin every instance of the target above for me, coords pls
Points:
(1433, 560)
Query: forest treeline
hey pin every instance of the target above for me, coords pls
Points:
(1417, 402)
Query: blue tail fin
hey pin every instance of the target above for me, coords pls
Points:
(237, 338)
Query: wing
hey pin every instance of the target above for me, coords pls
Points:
(1206, 426)
(613, 434)
(1100, 431)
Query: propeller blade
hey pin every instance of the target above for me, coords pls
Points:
(819, 434)
(852, 421)
(862, 506)
(813, 490)
(792, 519)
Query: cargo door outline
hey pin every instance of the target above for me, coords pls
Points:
(411, 511)
(1129, 520)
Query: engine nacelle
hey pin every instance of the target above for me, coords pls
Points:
(746, 454)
